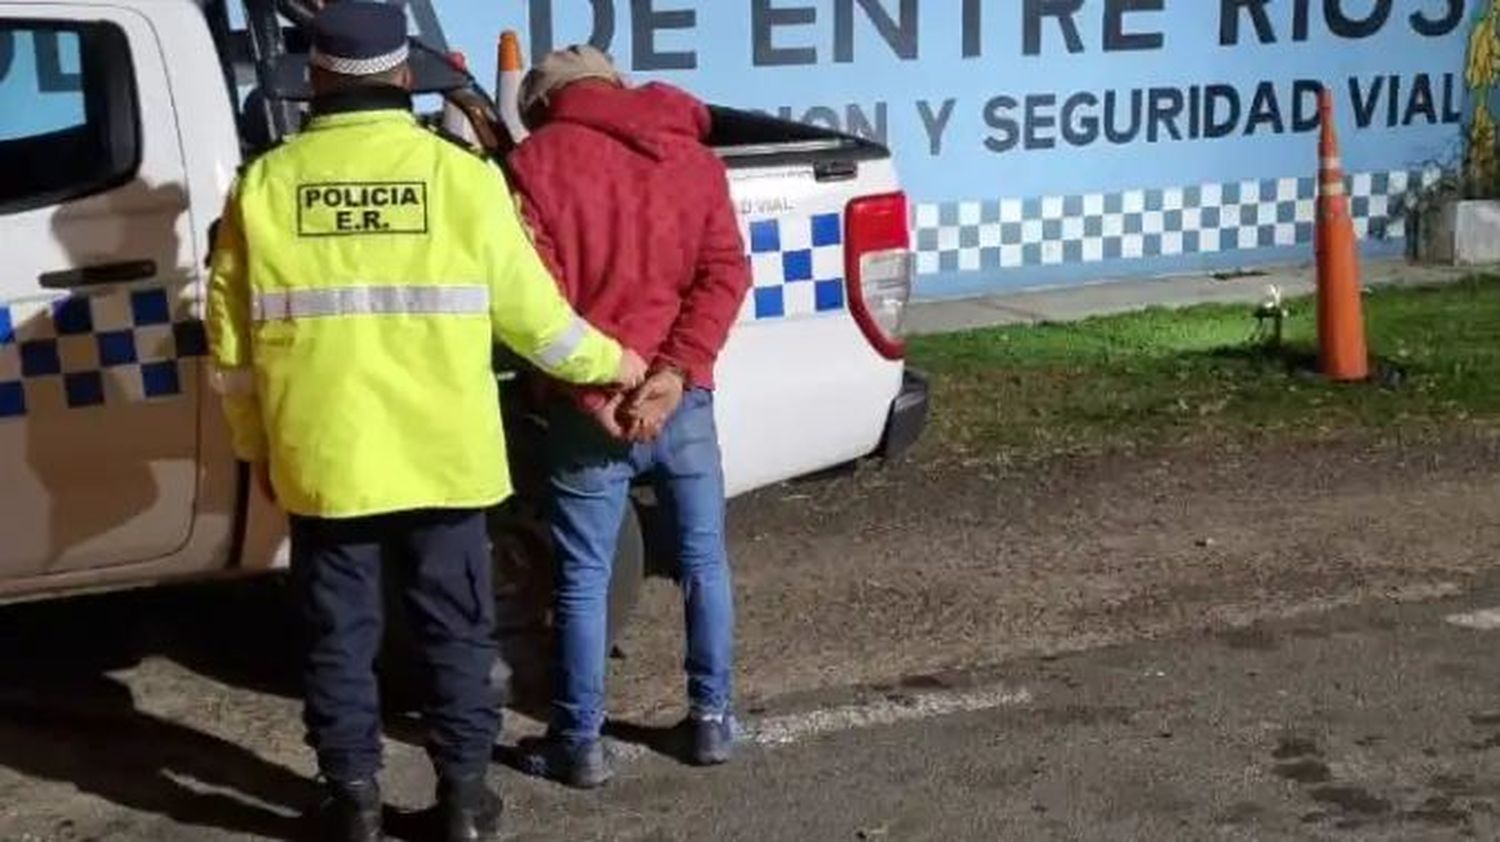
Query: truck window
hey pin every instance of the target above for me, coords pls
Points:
(68, 125)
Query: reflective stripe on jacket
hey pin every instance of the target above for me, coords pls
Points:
(360, 274)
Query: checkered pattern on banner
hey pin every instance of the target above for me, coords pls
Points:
(1166, 222)
(86, 351)
(798, 266)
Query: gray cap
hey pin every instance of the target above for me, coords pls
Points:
(564, 67)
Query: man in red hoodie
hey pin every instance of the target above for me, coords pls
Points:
(633, 212)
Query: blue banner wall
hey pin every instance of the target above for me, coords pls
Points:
(39, 83)
(1056, 141)
(1040, 141)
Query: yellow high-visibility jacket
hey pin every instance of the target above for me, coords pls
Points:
(359, 277)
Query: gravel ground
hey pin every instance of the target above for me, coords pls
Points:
(941, 564)
(172, 714)
(1371, 724)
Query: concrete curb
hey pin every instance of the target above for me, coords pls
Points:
(1065, 304)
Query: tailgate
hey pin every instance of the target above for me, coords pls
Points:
(800, 387)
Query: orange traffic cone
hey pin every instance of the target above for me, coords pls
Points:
(509, 71)
(1342, 352)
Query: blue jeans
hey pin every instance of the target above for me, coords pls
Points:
(590, 475)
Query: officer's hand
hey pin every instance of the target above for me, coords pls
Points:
(632, 369)
(608, 416)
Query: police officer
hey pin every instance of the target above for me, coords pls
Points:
(360, 272)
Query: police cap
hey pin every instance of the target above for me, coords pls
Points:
(359, 38)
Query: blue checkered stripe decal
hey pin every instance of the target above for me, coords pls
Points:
(798, 266)
(1166, 222)
(88, 351)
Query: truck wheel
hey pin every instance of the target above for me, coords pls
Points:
(525, 576)
(628, 574)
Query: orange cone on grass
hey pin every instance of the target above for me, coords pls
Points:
(1342, 351)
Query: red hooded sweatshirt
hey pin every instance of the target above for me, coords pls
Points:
(632, 212)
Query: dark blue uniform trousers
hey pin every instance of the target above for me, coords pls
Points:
(442, 563)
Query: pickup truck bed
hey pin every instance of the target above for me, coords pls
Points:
(116, 457)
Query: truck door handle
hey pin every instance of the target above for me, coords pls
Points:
(99, 274)
(835, 170)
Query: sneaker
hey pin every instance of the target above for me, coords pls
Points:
(712, 737)
(350, 812)
(468, 810)
(581, 765)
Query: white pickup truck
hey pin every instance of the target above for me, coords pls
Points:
(122, 124)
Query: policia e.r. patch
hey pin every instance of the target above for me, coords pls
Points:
(361, 207)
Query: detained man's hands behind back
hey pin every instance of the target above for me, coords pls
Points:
(607, 415)
(651, 405)
(631, 373)
(640, 414)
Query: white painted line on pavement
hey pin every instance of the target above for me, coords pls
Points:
(789, 729)
(623, 752)
(1487, 619)
(785, 730)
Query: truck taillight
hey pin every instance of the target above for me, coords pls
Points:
(878, 269)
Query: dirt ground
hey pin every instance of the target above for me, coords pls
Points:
(942, 564)
(172, 714)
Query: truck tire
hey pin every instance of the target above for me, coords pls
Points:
(524, 580)
(628, 575)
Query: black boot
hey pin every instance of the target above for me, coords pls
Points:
(468, 810)
(350, 812)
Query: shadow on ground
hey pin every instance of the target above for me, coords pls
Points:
(69, 717)
(65, 717)
(1300, 363)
